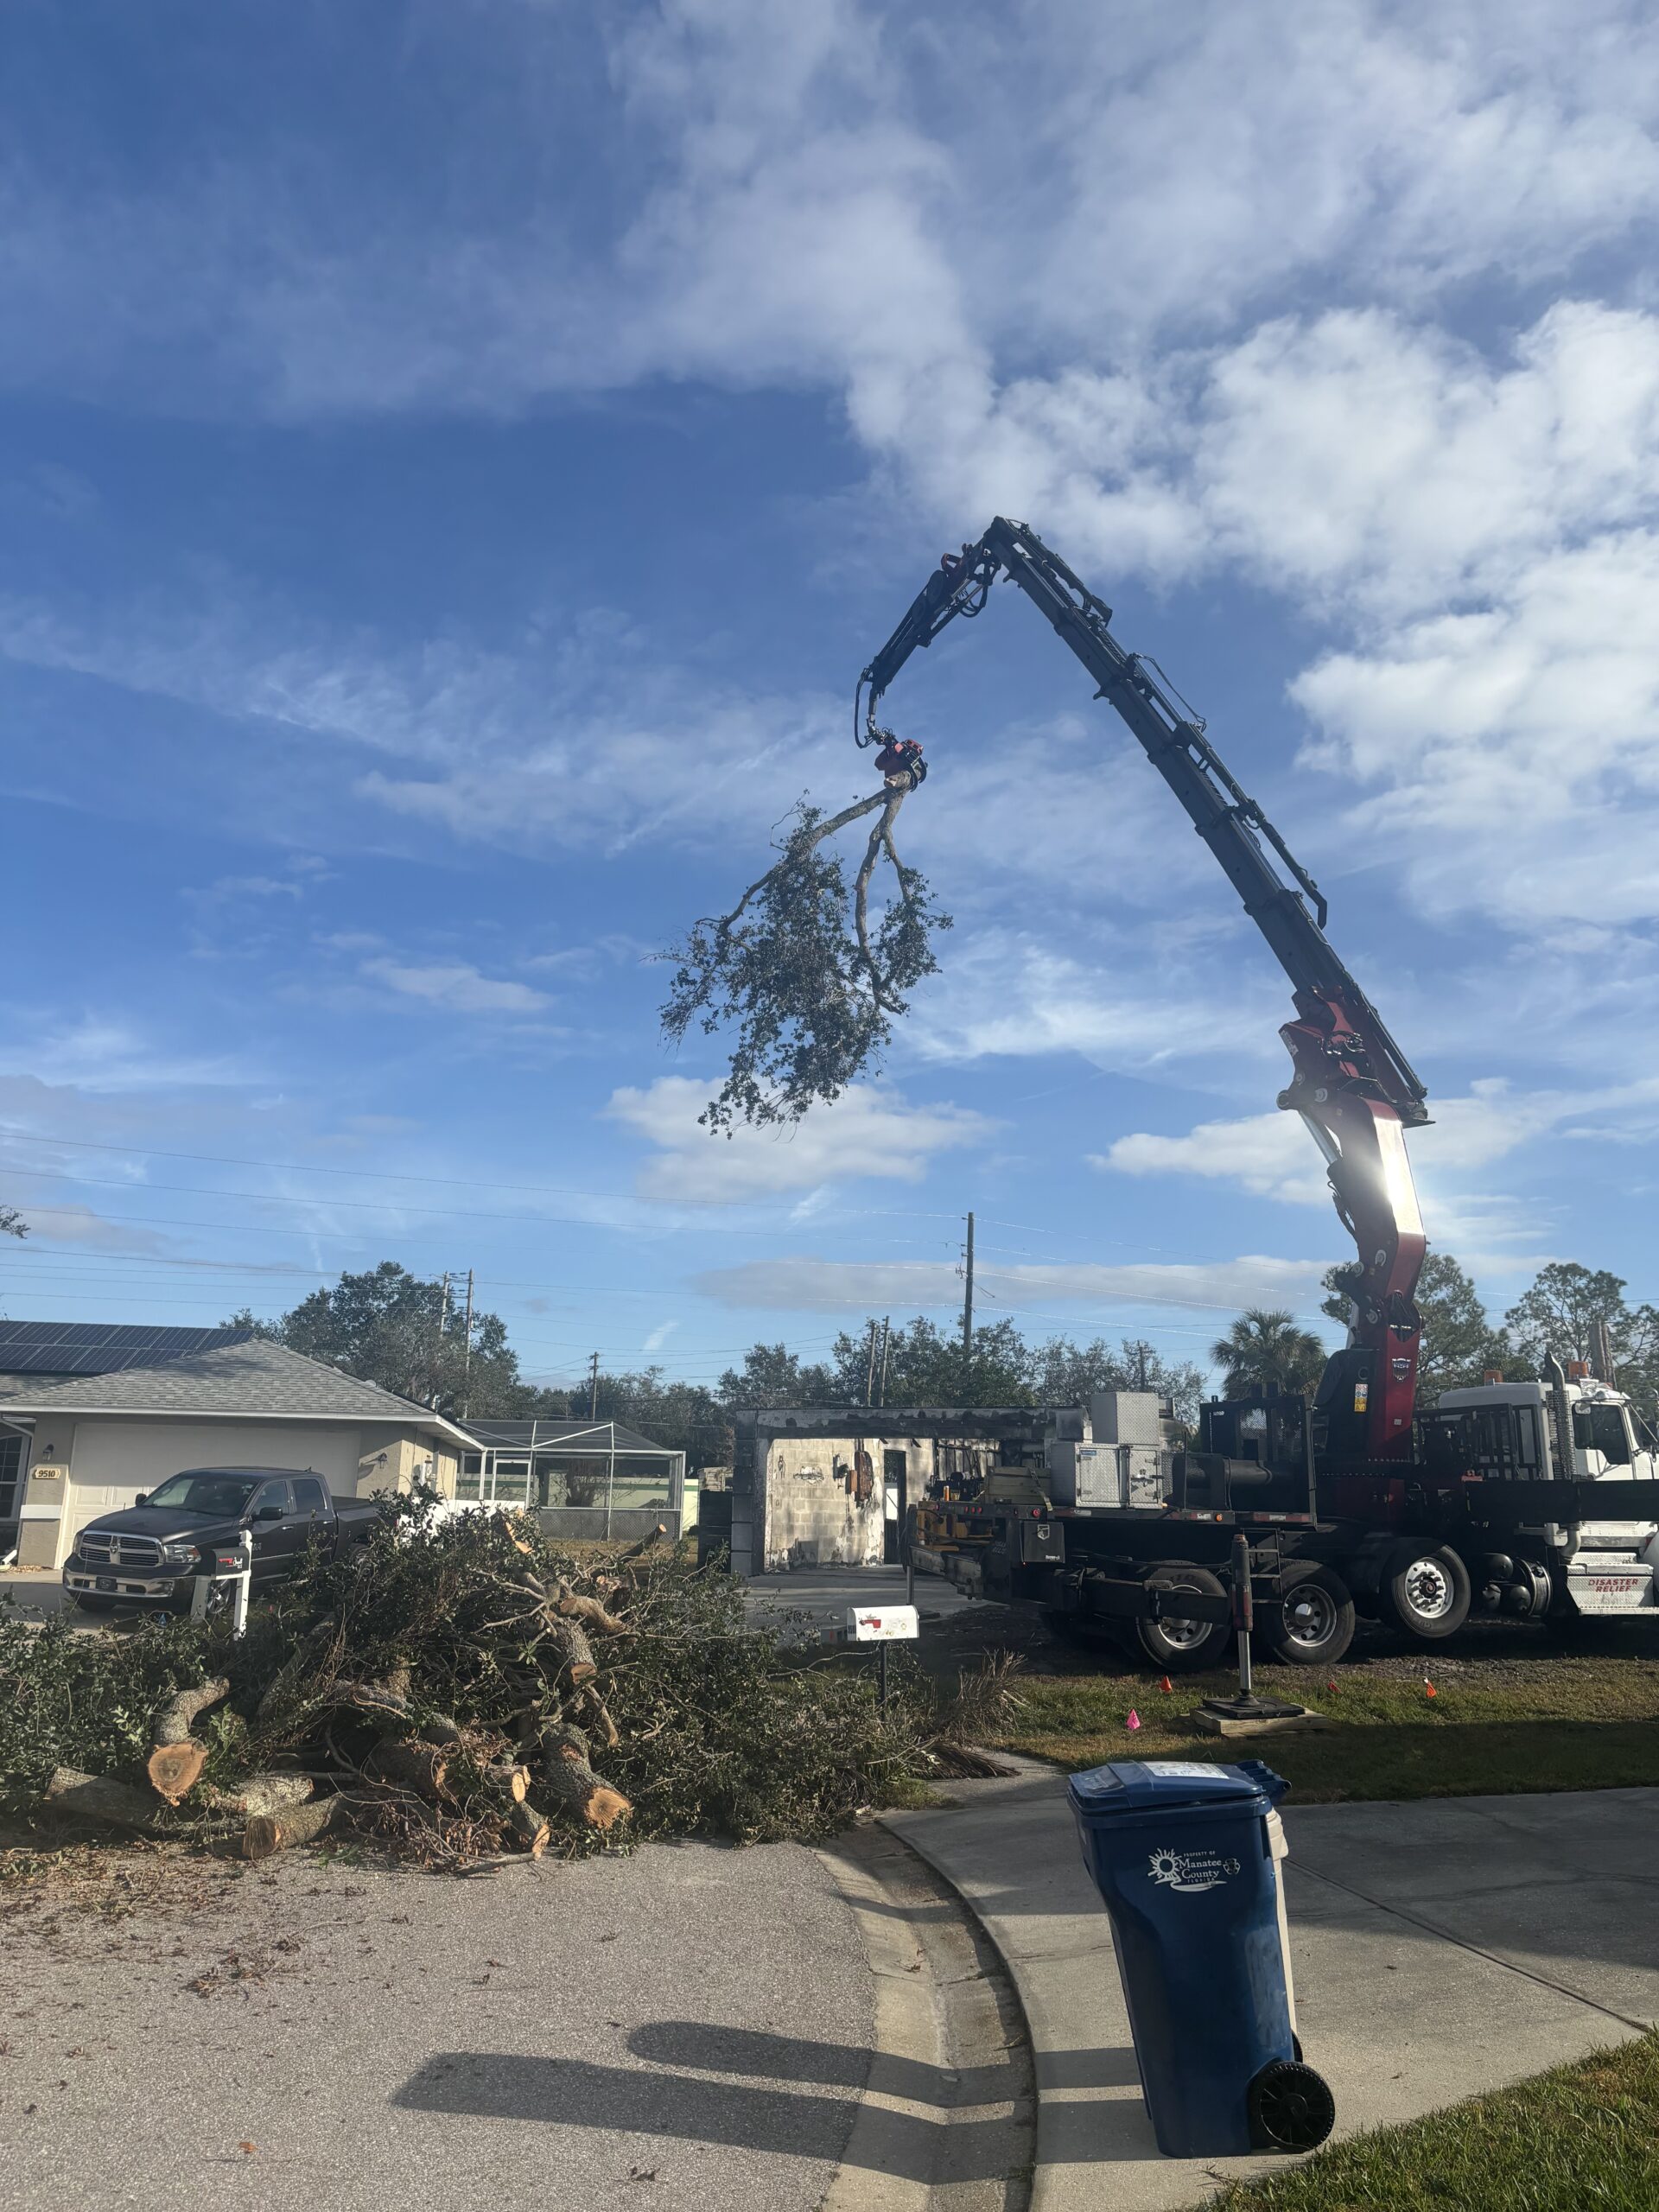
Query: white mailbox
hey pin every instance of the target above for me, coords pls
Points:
(883, 1623)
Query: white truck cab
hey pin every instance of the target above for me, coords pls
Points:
(1598, 1566)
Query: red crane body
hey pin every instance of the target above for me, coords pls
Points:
(1349, 1082)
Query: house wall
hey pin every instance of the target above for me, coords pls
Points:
(106, 1462)
(812, 1517)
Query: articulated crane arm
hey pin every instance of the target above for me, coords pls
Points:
(1349, 1081)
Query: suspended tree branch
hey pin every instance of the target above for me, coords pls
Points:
(800, 968)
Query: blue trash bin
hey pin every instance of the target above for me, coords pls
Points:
(1185, 1855)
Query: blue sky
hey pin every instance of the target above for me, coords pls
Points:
(454, 460)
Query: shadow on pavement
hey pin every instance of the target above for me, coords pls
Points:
(630, 2101)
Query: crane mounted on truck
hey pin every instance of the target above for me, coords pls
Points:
(1506, 1495)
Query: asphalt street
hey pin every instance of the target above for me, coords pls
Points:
(686, 2028)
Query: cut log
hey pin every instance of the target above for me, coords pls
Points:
(280, 1830)
(567, 1779)
(420, 1767)
(531, 1827)
(175, 1763)
(571, 1642)
(506, 1774)
(572, 1606)
(260, 1794)
(71, 1795)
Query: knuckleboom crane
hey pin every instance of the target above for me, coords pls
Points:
(1349, 1082)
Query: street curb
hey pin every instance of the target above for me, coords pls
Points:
(947, 2118)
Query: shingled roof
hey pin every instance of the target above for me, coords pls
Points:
(255, 1377)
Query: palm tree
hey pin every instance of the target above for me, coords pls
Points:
(1264, 1351)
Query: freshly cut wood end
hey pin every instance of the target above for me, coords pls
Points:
(176, 1768)
(605, 1808)
(266, 1833)
(531, 1829)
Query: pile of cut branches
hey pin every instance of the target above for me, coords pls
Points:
(457, 1688)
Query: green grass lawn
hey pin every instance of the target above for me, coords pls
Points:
(1582, 2139)
(1538, 1720)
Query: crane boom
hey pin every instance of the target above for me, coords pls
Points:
(1350, 1083)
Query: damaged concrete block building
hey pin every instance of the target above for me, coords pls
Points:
(829, 1485)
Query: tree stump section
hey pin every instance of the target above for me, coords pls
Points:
(266, 1833)
(571, 1783)
(72, 1794)
(176, 1760)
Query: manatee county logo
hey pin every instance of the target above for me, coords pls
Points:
(1191, 1870)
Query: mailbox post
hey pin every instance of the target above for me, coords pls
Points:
(882, 1625)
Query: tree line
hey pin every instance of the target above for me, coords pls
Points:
(405, 1334)
(1265, 1349)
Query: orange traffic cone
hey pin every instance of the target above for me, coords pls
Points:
(1332, 1686)
(1429, 1689)
(1168, 1685)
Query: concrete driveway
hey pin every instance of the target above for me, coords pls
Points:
(823, 1594)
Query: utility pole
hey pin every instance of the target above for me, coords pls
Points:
(466, 1354)
(436, 1392)
(968, 1311)
(886, 1336)
(869, 1370)
(593, 1387)
(1141, 1362)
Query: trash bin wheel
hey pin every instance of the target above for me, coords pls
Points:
(1312, 1625)
(1291, 2107)
(1182, 1647)
(1423, 1589)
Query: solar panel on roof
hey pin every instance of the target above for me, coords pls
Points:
(101, 1347)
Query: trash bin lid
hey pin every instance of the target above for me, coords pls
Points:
(1164, 1785)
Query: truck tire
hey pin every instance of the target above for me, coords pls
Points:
(1423, 1589)
(1179, 1647)
(1312, 1625)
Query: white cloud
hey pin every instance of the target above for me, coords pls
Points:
(1267, 1155)
(457, 987)
(867, 1132)
(1008, 993)
(1271, 1156)
(804, 1284)
(802, 193)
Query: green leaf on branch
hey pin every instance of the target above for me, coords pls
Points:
(810, 984)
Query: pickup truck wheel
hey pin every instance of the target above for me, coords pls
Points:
(1423, 1589)
(1182, 1647)
(1312, 1625)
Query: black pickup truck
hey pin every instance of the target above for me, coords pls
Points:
(149, 1555)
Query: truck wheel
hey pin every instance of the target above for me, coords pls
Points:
(1181, 1647)
(1423, 1591)
(1312, 1625)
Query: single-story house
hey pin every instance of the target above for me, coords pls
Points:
(585, 1478)
(38, 1355)
(829, 1485)
(90, 1444)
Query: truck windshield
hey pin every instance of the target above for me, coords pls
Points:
(224, 1496)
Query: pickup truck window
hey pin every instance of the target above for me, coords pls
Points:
(223, 1496)
(273, 1494)
(310, 1496)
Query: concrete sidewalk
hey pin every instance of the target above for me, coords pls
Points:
(1439, 1949)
